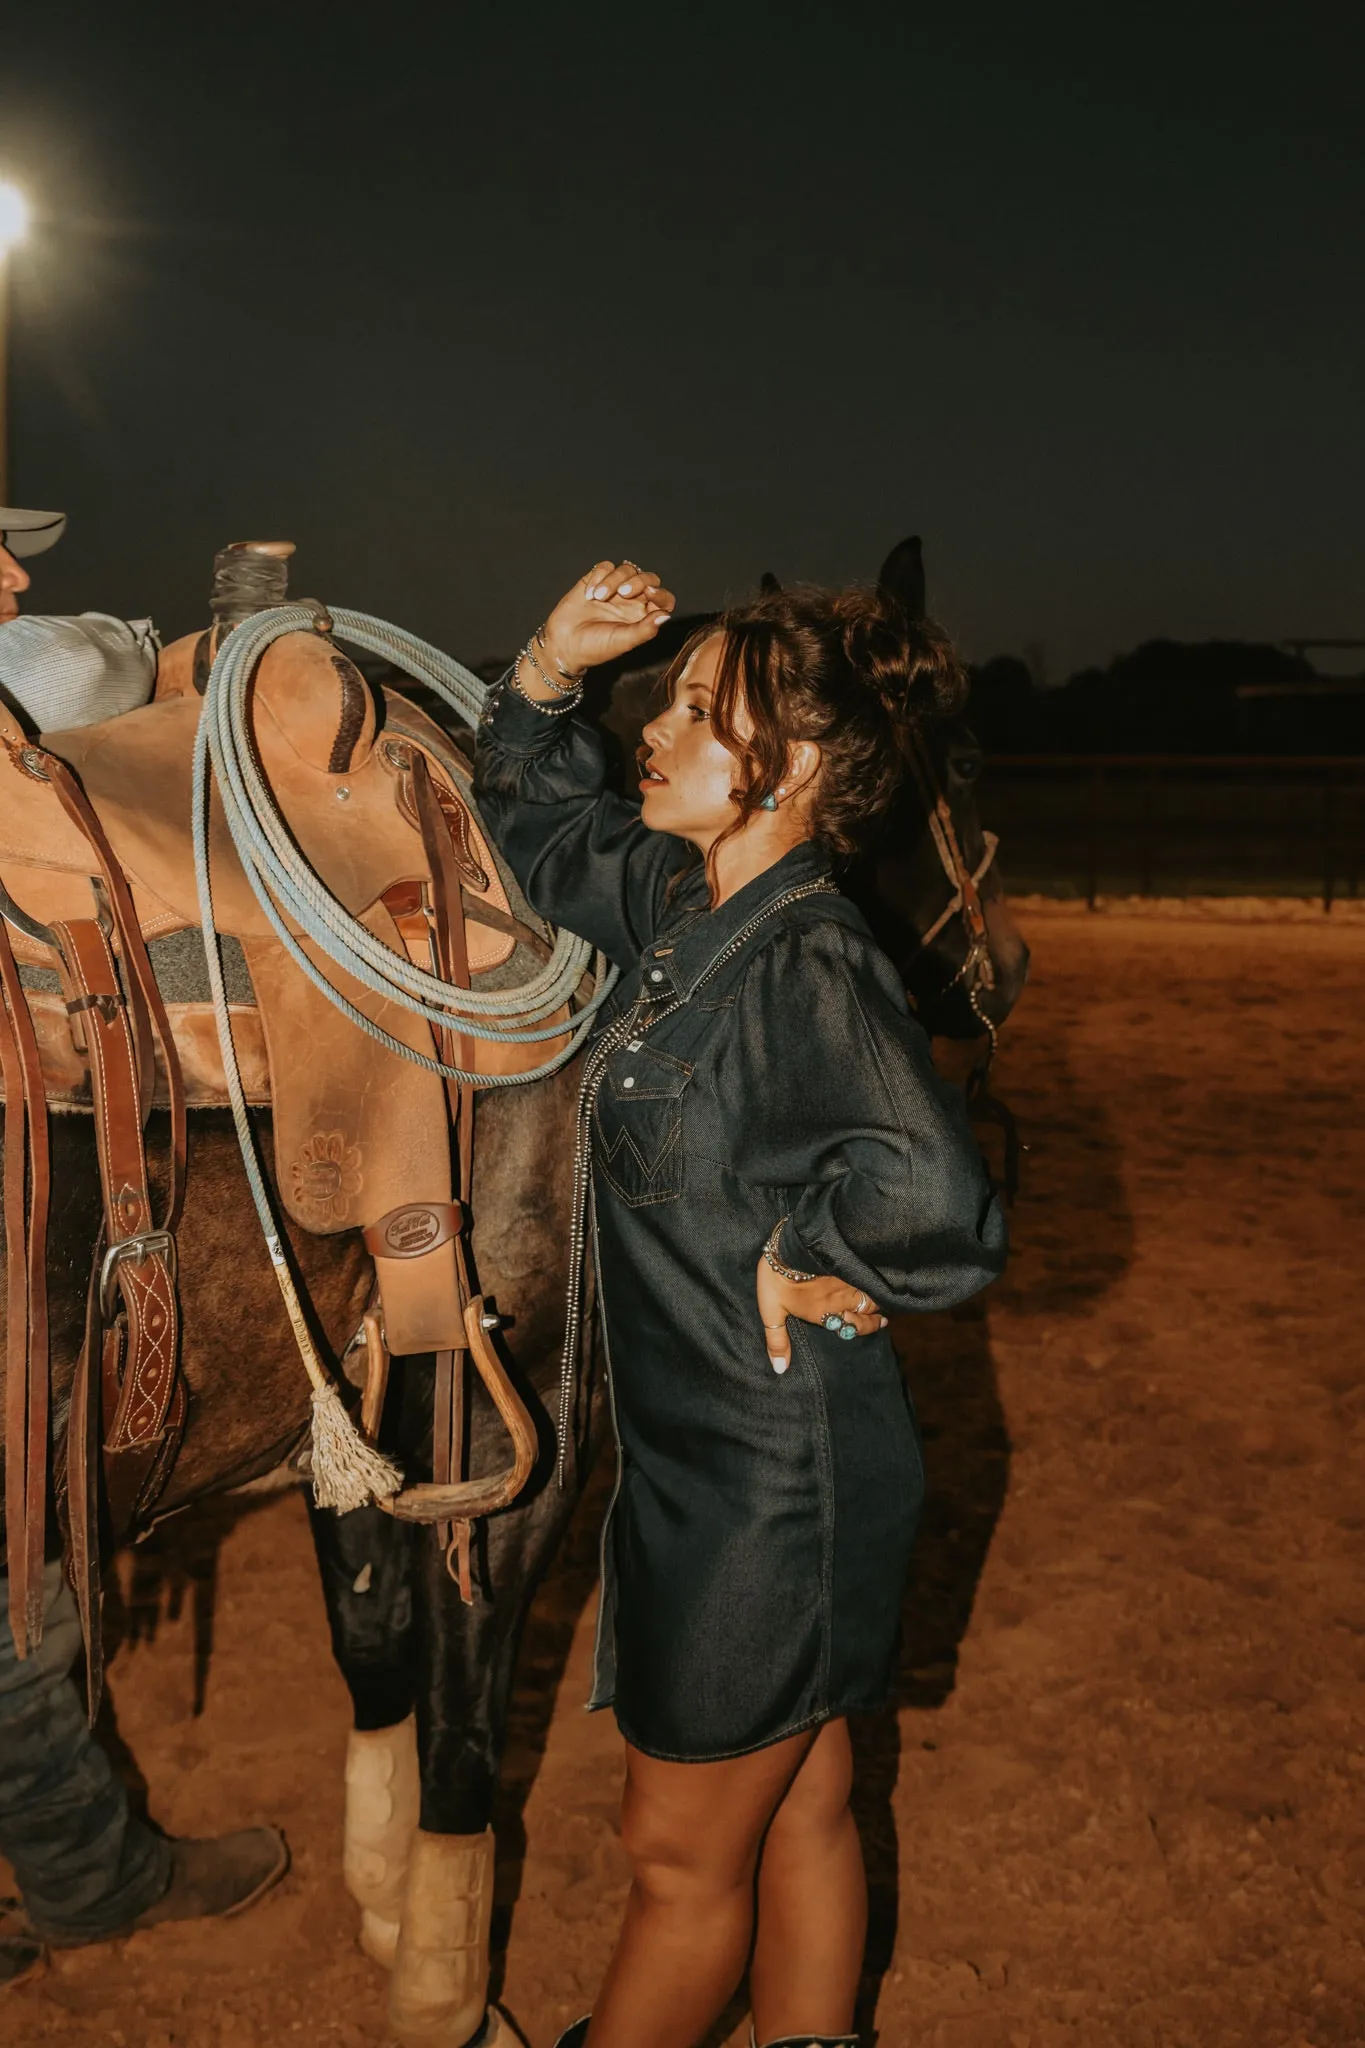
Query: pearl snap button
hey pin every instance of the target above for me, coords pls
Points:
(656, 974)
(629, 1081)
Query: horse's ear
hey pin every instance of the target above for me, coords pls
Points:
(768, 583)
(902, 576)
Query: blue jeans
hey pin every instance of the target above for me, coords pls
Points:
(85, 1864)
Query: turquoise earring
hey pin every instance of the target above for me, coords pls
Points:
(769, 803)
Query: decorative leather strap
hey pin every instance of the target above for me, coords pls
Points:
(138, 1266)
(413, 1229)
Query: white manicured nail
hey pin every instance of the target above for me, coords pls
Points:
(778, 1364)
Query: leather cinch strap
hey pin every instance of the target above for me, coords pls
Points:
(27, 1188)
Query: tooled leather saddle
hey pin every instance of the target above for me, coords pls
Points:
(96, 869)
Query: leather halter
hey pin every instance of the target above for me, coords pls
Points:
(977, 971)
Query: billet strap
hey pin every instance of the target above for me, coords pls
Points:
(137, 1269)
(28, 1169)
(83, 1492)
(148, 1009)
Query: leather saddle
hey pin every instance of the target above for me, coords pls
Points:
(97, 868)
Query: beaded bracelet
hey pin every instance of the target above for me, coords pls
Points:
(546, 710)
(770, 1254)
(572, 688)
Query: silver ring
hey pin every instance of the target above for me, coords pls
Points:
(861, 1308)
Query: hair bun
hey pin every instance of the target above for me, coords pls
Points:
(910, 664)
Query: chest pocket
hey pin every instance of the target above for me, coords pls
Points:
(639, 1126)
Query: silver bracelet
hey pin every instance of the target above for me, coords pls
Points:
(573, 689)
(545, 710)
(569, 675)
(770, 1254)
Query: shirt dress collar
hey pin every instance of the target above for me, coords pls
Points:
(676, 961)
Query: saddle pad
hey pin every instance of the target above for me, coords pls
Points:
(66, 1076)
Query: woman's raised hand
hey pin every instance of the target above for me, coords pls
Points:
(832, 1302)
(615, 607)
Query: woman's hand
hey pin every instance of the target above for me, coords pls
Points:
(615, 607)
(813, 1301)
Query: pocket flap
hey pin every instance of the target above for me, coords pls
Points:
(646, 1075)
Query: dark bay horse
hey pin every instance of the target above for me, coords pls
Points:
(411, 1649)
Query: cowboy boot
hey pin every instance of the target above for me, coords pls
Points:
(383, 1796)
(439, 1995)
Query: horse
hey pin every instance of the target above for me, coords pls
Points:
(429, 1661)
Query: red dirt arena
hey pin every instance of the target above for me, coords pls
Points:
(1121, 1803)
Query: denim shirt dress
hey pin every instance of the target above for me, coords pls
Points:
(755, 1555)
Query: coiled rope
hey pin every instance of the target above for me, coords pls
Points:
(286, 886)
(347, 1471)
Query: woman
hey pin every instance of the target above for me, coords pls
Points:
(774, 1165)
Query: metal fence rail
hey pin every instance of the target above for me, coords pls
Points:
(1193, 824)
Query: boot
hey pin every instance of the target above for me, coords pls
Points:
(210, 1880)
(808, 2041)
(383, 1796)
(439, 1995)
(21, 1948)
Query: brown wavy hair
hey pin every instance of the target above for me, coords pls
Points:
(844, 668)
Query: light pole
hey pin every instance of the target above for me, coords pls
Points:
(13, 228)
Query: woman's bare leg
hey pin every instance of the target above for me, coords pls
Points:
(692, 1832)
(812, 1901)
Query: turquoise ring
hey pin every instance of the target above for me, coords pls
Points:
(833, 1322)
(847, 1332)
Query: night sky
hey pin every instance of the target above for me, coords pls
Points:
(462, 297)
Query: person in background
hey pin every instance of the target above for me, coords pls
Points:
(88, 1869)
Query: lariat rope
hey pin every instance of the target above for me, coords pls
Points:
(348, 1471)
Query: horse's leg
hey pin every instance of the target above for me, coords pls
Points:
(468, 1660)
(366, 1562)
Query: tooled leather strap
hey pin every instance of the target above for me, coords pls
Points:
(28, 1385)
(140, 1395)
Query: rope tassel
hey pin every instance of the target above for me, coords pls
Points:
(347, 1472)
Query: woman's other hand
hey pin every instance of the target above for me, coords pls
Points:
(825, 1301)
(615, 607)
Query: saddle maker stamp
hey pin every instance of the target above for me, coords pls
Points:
(324, 1178)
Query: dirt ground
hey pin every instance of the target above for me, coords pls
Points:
(1121, 1801)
